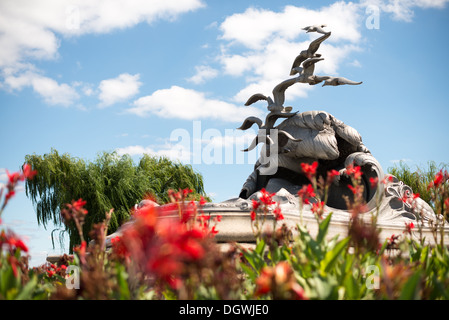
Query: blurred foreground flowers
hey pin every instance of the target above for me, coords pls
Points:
(170, 252)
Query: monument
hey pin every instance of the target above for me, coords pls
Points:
(309, 137)
(306, 138)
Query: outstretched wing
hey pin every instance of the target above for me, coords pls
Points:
(298, 60)
(279, 91)
(254, 98)
(315, 44)
(342, 81)
(248, 123)
(309, 66)
(316, 28)
(283, 137)
(339, 81)
(317, 79)
(256, 141)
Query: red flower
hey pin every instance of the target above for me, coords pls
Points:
(13, 177)
(278, 214)
(354, 171)
(331, 176)
(357, 189)
(193, 249)
(9, 195)
(12, 241)
(78, 205)
(253, 215)
(309, 169)
(119, 247)
(213, 231)
(409, 227)
(306, 193)
(438, 180)
(202, 201)
(21, 245)
(318, 208)
(263, 282)
(373, 182)
(27, 172)
(280, 281)
(256, 204)
(81, 250)
(266, 197)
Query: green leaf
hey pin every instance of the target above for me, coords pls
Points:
(311, 244)
(122, 283)
(352, 289)
(424, 255)
(410, 290)
(260, 247)
(331, 256)
(28, 289)
(7, 280)
(323, 227)
(252, 274)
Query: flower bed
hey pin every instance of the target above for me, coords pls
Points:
(166, 256)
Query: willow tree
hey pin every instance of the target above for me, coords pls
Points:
(111, 181)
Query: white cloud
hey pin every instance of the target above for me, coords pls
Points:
(269, 41)
(237, 138)
(212, 146)
(177, 152)
(49, 89)
(202, 74)
(118, 89)
(403, 10)
(256, 28)
(181, 103)
(30, 29)
(260, 45)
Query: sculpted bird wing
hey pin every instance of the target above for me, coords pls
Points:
(309, 65)
(279, 91)
(341, 80)
(248, 123)
(338, 81)
(283, 137)
(316, 28)
(256, 141)
(315, 44)
(313, 48)
(299, 59)
(317, 79)
(254, 98)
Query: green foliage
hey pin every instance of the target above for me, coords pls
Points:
(15, 285)
(111, 181)
(281, 265)
(418, 179)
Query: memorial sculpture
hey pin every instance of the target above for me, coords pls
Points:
(318, 136)
(309, 137)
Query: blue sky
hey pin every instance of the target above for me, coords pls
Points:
(171, 78)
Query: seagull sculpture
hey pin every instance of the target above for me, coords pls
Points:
(309, 53)
(338, 81)
(316, 28)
